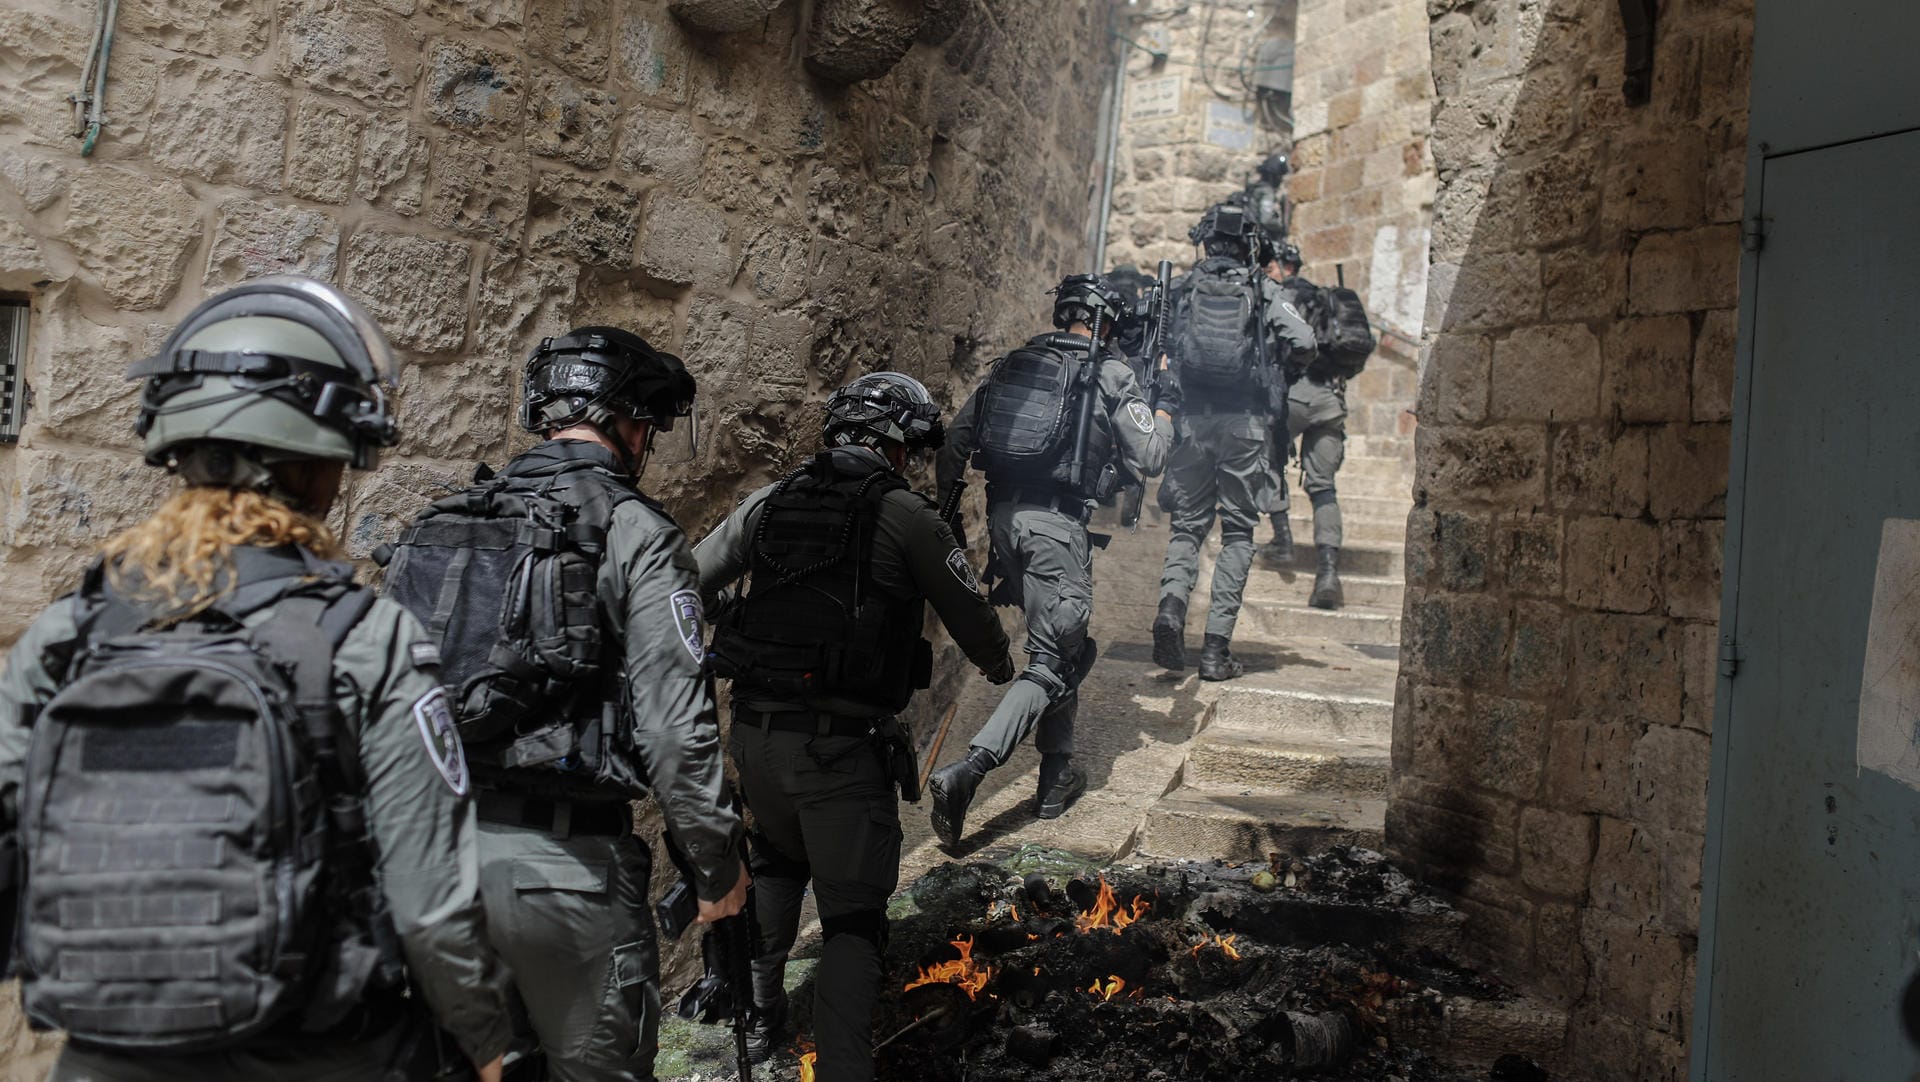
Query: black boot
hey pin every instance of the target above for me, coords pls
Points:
(1279, 551)
(952, 787)
(1216, 661)
(768, 1031)
(1326, 585)
(1170, 634)
(1061, 783)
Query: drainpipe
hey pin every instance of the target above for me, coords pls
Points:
(1113, 155)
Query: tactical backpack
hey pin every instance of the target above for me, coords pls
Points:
(1025, 416)
(503, 577)
(1344, 331)
(1218, 337)
(197, 869)
(812, 625)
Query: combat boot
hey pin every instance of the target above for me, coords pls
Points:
(1279, 551)
(1061, 783)
(768, 1031)
(1326, 585)
(1216, 661)
(1170, 634)
(952, 788)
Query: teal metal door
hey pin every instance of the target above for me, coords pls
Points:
(1810, 918)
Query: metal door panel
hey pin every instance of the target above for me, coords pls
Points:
(1811, 907)
(1831, 71)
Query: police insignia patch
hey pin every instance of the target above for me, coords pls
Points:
(435, 721)
(686, 622)
(1142, 416)
(1292, 311)
(962, 570)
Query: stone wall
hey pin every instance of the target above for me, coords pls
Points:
(1551, 740)
(482, 174)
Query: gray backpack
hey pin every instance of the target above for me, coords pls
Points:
(196, 870)
(1217, 335)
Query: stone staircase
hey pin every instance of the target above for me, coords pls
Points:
(1294, 755)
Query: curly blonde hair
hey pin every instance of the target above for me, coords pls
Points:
(178, 557)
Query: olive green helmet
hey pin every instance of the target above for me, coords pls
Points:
(277, 369)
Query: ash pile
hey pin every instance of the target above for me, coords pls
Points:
(1332, 966)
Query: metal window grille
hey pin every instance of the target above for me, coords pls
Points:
(13, 369)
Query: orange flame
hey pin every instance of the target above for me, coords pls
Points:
(962, 971)
(1108, 914)
(806, 1066)
(1107, 991)
(1224, 943)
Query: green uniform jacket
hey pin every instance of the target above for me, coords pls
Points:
(650, 586)
(914, 555)
(1141, 437)
(429, 868)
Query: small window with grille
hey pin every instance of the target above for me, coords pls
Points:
(13, 368)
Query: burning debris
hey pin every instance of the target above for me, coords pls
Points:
(1212, 971)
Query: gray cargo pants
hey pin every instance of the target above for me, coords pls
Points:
(1219, 468)
(569, 916)
(1047, 554)
(824, 809)
(1317, 420)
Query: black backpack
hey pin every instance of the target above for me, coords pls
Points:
(1024, 419)
(1345, 333)
(503, 576)
(1217, 341)
(196, 864)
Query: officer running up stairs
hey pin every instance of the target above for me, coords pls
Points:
(1041, 407)
(824, 650)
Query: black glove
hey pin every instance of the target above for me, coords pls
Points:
(1002, 673)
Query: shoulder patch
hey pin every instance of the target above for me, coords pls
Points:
(1142, 416)
(435, 721)
(963, 570)
(1288, 308)
(425, 655)
(686, 623)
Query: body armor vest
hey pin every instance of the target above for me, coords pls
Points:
(1025, 416)
(504, 576)
(813, 626)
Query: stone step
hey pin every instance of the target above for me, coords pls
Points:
(1395, 489)
(1287, 618)
(1352, 508)
(1292, 584)
(1375, 467)
(1232, 824)
(1382, 559)
(1305, 716)
(1353, 528)
(1267, 761)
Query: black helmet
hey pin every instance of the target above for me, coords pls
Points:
(1274, 168)
(884, 406)
(595, 374)
(1290, 256)
(1129, 281)
(1079, 297)
(1226, 229)
(277, 369)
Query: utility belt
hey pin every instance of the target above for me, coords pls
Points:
(891, 738)
(1074, 507)
(1191, 406)
(558, 816)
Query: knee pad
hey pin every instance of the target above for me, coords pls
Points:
(868, 924)
(1234, 534)
(1322, 498)
(770, 862)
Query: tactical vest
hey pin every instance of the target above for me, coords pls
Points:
(1025, 416)
(813, 626)
(198, 873)
(504, 577)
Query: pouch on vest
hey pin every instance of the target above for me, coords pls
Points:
(1217, 344)
(196, 867)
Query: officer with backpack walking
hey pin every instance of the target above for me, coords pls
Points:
(1058, 425)
(1316, 418)
(824, 650)
(567, 606)
(231, 774)
(1231, 338)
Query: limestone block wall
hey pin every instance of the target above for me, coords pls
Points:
(1551, 743)
(1185, 140)
(482, 174)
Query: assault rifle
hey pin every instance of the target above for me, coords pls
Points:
(724, 993)
(1156, 307)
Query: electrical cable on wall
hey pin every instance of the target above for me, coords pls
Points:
(88, 113)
